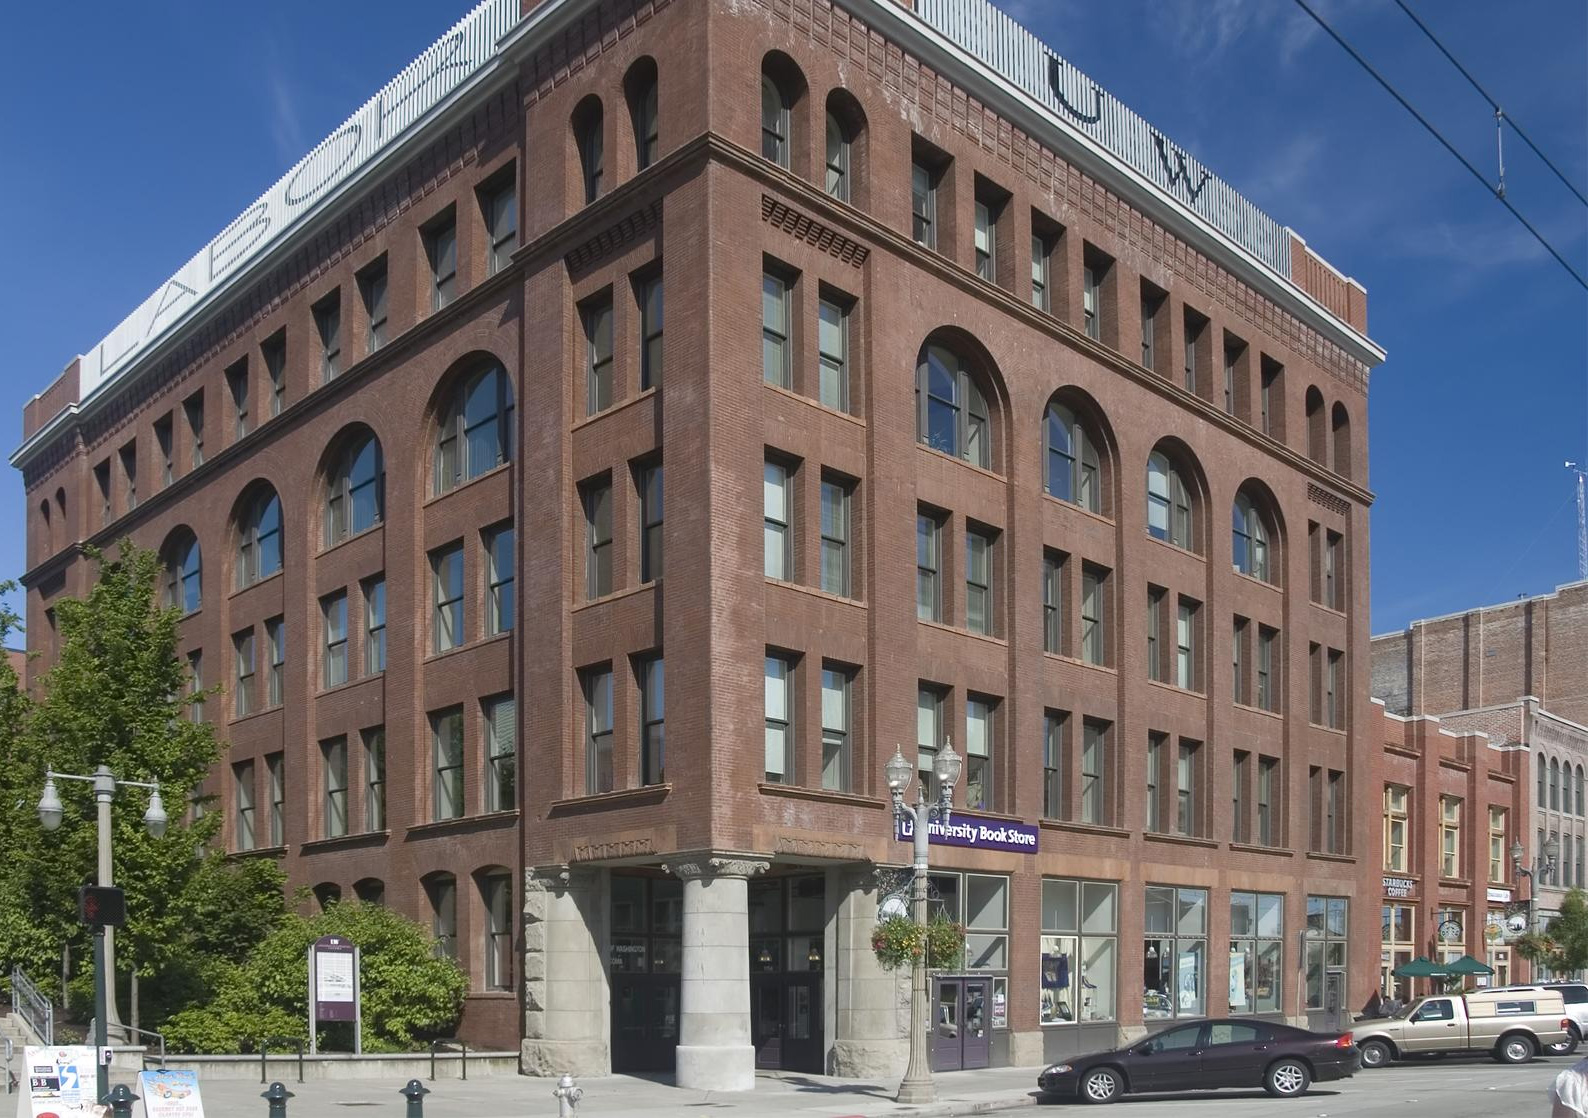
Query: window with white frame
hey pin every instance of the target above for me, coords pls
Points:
(1257, 939)
(501, 753)
(779, 720)
(980, 791)
(1078, 972)
(496, 896)
(597, 686)
(446, 568)
(775, 506)
(333, 757)
(446, 733)
(837, 734)
(333, 614)
(374, 740)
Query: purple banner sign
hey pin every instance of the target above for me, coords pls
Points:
(975, 831)
(335, 979)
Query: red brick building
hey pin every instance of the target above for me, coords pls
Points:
(929, 293)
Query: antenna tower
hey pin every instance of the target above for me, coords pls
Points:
(1582, 522)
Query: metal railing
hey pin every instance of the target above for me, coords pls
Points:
(135, 1032)
(35, 1010)
(295, 1043)
(448, 1044)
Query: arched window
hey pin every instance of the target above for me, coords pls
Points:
(442, 891)
(1249, 540)
(183, 572)
(837, 159)
(356, 496)
(45, 532)
(1341, 422)
(370, 890)
(1168, 502)
(1316, 448)
(775, 119)
(1072, 467)
(951, 412)
(1554, 785)
(327, 893)
(640, 86)
(259, 538)
(1577, 782)
(587, 125)
(1541, 800)
(476, 432)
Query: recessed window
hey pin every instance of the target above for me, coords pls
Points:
(237, 386)
(1152, 303)
(273, 351)
(1055, 765)
(923, 204)
(598, 539)
(195, 669)
(775, 119)
(979, 616)
(597, 685)
(1053, 602)
(1094, 602)
(276, 786)
(446, 732)
(928, 567)
(333, 764)
(979, 793)
(442, 889)
(162, 440)
(929, 704)
(598, 355)
(1186, 675)
(778, 538)
(835, 537)
(374, 625)
(259, 539)
(243, 836)
(986, 242)
(832, 337)
(1096, 806)
(129, 473)
(355, 501)
(647, 117)
(276, 645)
(1156, 669)
(441, 251)
(193, 411)
(333, 610)
(1195, 325)
(653, 721)
(184, 573)
(446, 567)
(501, 753)
(592, 148)
(499, 204)
(648, 293)
(837, 683)
(838, 157)
(779, 720)
(476, 430)
(1168, 502)
(1073, 472)
(1268, 658)
(499, 580)
(777, 358)
(1249, 540)
(372, 286)
(375, 779)
(951, 412)
(650, 489)
(244, 659)
(328, 324)
(496, 894)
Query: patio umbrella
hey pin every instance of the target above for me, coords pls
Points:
(1421, 967)
(1467, 965)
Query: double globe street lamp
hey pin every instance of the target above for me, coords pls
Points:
(917, 1086)
(155, 820)
(1544, 865)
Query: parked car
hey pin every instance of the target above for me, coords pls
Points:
(1281, 1059)
(1576, 998)
(1512, 1024)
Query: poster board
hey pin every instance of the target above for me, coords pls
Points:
(170, 1094)
(60, 1080)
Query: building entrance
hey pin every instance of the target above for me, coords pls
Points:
(647, 921)
(787, 918)
(960, 1036)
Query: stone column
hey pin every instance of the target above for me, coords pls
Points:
(714, 1049)
(566, 996)
(873, 1018)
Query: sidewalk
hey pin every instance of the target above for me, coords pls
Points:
(517, 1096)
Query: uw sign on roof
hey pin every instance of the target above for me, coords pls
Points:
(1000, 43)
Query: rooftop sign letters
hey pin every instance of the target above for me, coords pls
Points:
(1000, 43)
(405, 100)
(974, 831)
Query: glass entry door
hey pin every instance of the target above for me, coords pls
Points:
(960, 1034)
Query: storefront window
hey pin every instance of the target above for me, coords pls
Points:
(787, 918)
(647, 925)
(981, 903)
(1450, 928)
(1174, 954)
(1079, 951)
(1257, 932)
(1399, 945)
(1327, 921)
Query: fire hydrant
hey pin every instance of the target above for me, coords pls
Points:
(567, 1096)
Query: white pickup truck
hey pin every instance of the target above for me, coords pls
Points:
(1513, 1025)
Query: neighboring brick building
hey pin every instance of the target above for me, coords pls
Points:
(944, 307)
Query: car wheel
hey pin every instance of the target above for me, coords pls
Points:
(1102, 1085)
(1375, 1054)
(1287, 1079)
(1567, 1046)
(1514, 1049)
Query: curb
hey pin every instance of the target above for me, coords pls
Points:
(982, 1106)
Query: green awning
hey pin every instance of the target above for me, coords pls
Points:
(1423, 967)
(1468, 965)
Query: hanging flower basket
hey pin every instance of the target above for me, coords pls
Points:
(899, 941)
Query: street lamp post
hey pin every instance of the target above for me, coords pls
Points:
(51, 812)
(917, 1086)
(1545, 864)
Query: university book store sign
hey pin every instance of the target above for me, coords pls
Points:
(973, 831)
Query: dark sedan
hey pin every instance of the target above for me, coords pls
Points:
(1284, 1061)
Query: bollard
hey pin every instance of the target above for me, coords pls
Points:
(121, 1100)
(415, 1093)
(567, 1096)
(277, 1096)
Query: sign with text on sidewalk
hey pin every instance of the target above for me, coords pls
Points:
(978, 832)
(170, 1094)
(62, 1081)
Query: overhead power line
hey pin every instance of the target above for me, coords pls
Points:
(1500, 114)
(1405, 104)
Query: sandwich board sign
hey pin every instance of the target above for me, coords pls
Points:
(62, 1081)
(170, 1094)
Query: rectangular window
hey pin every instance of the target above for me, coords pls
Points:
(499, 580)
(1268, 657)
(243, 794)
(441, 250)
(1055, 765)
(1093, 593)
(650, 487)
(195, 671)
(928, 736)
(598, 540)
(276, 777)
(777, 362)
(1271, 371)
(649, 294)
(1449, 836)
(1232, 362)
(333, 613)
(1257, 940)
(1040, 283)
(1187, 762)
(923, 206)
(779, 721)
(1497, 849)
(598, 355)
(1326, 943)
(446, 595)
(328, 323)
(276, 644)
(274, 353)
(835, 538)
(1175, 955)
(374, 625)
(1240, 830)
(1078, 967)
(986, 243)
(193, 410)
(1155, 748)
(1053, 603)
(333, 763)
(162, 439)
(980, 794)
(496, 891)
(832, 344)
(446, 732)
(1333, 571)
(372, 290)
(1333, 697)
(443, 891)
(979, 603)
(775, 517)
(597, 686)
(837, 683)
(237, 385)
(1240, 692)
(1396, 824)
(1152, 301)
(1091, 301)
(501, 753)
(653, 721)
(1155, 659)
(243, 655)
(1185, 652)
(1267, 800)
(102, 483)
(1095, 806)
(375, 779)
(928, 566)
(129, 473)
(499, 203)
(1194, 325)
(1334, 813)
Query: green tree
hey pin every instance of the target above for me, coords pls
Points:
(120, 696)
(1563, 944)
(408, 993)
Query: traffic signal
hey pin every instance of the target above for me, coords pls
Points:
(102, 906)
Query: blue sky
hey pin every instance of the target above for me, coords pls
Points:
(134, 133)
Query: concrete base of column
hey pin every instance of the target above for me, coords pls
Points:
(1026, 1050)
(715, 1068)
(866, 1059)
(554, 1058)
